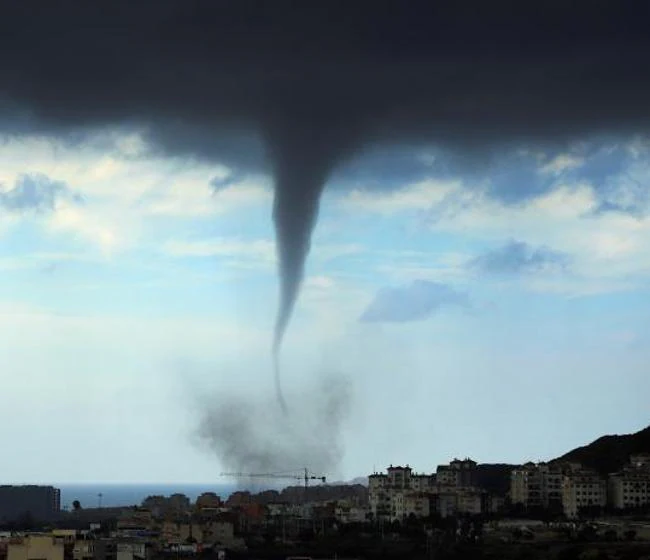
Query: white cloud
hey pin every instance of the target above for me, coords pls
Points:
(418, 196)
(126, 192)
(561, 163)
(98, 228)
(605, 247)
(193, 197)
(259, 249)
(323, 251)
(251, 253)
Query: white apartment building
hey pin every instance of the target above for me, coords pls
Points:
(393, 495)
(630, 488)
(583, 489)
(538, 485)
(400, 493)
(401, 478)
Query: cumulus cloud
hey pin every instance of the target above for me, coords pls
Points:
(35, 192)
(518, 257)
(413, 302)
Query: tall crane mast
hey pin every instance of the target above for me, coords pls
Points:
(306, 476)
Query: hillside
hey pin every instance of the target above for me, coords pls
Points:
(609, 453)
(606, 455)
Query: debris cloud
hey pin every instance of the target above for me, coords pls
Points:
(252, 436)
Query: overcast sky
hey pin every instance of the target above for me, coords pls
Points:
(468, 321)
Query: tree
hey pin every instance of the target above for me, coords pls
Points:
(76, 505)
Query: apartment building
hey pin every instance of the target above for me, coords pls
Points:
(538, 485)
(401, 478)
(583, 489)
(458, 474)
(399, 493)
(630, 487)
(405, 504)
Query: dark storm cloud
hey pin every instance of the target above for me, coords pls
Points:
(516, 257)
(415, 302)
(316, 83)
(34, 192)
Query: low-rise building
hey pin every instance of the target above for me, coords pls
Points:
(83, 549)
(131, 551)
(121, 549)
(217, 532)
(346, 512)
(36, 547)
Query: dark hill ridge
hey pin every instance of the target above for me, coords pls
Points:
(610, 453)
(606, 455)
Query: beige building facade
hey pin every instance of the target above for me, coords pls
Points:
(583, 489)
(539, 485)
(36, 547)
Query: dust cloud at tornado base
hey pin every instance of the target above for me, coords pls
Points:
(251, 434)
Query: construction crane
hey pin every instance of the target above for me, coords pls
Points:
(306, 476)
